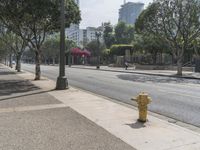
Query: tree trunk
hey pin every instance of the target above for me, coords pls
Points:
(37, 65)
(69, 59)
(10, 61)
(197, 64)
(161, 58)
(48, 61)
(154, 57)
(53, 61)
(18, 63)
(179, 67)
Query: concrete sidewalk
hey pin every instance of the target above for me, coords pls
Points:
(32, 119)
(51, 121)
(166, 73)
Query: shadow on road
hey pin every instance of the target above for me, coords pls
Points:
(155, 79)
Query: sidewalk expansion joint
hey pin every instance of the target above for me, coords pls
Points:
(32, 108)
(184, 145)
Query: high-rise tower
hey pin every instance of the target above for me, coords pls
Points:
(130, 11)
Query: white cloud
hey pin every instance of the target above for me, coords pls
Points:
(94, 12)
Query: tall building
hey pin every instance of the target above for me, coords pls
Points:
(82, 36)
(72, 32)
(130, 11)
(89, 34)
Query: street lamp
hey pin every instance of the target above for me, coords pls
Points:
(98, 35)
(62, 80)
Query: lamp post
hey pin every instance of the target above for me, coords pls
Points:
(98, 35)
(62, 80)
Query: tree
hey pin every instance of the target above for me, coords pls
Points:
(108, 35)
(196, 47)
(176, 21)
(124, 33)
(93, 47)
(16, 45)
(120, 49)
(4, 49)
(150, 44)
(69, 45)
(28, 56)
(51, 49)
(33, 20)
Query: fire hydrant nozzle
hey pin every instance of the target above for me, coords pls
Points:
(143, 100)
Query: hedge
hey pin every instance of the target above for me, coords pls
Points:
(120, 49)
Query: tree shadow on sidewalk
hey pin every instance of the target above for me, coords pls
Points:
(6, 72)
(8, 87)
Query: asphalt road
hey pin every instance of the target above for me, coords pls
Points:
(172, 97)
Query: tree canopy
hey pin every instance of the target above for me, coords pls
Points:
(124, 33)
(33, 20)
(150, 44)
(119, 49)
(108, 35)
(175, 21)
(93, 47)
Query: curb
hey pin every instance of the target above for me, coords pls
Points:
(161, 75)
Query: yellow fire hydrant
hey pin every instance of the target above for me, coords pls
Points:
(143, 100)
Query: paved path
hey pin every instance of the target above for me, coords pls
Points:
(32, 119)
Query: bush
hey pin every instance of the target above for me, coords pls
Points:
(120, 49)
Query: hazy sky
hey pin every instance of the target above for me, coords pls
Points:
(94, 12)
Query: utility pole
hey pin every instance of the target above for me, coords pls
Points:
(98, 35)
(62, 80)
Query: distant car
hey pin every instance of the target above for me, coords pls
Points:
(13, 62)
